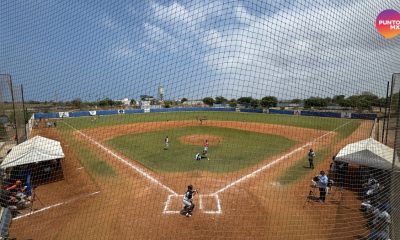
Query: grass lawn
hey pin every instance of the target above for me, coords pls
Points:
(90, 161)
(300, 168)
(297, 121)
(238, 149)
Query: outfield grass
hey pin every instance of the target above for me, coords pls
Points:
(92, 163)
(300, 169)
(238, 150)
(297, 121)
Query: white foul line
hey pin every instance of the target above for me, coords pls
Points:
(52, 206)
(269, 165)
(136, 168)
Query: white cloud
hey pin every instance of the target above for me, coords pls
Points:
(303, 49)
(310, 48)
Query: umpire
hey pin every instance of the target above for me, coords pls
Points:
(311, 157)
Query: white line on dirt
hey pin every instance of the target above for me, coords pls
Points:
(269, 165)
(53, 206)
(219, 209)
(129, 164)
(215, 196)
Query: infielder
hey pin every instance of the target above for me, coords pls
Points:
(205, 150)
(188, 201)
(166, 141)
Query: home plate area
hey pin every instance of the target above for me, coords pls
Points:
(206, 203)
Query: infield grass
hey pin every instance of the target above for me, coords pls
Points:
(238, 149)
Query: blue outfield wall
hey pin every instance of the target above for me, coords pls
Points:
(367, 116)
(250, 110)
(321, 114)
(275, 111)
(129, 111)
(192, 109)
(45, 115)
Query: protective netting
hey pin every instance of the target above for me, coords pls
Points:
(275, 119)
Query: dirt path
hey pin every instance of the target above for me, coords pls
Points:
(294, 133)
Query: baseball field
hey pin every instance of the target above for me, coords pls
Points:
(120, 181)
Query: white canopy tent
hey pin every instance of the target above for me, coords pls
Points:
(368, 152)
(34, 150)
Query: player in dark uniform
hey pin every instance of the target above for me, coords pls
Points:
(188, 201)
(311, 157)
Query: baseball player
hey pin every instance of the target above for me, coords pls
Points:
(205, 150)
(166, 141)
(198, 157)
(188, 201)
(311, 157)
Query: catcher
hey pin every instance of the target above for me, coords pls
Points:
(188, 201)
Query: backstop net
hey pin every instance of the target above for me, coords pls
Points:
(276, 112)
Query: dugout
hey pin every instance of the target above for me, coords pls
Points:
(357, 161)
(39, 157)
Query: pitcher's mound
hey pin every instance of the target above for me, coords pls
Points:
(199, 139)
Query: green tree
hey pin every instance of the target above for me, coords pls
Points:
(254, 103)
(184, 100)
(208, 100)
(337, 98)
(363, 102)
(77, 103)
(117, 103)
(220, 100)
(344, 103)
(328, 100)
(167, 104)
(269, 101)
(232, 103)
(296, 101)
(133, 102)
(106, 102)
(245, 101)
(315, 102)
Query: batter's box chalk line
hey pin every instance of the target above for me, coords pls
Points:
(174, 204)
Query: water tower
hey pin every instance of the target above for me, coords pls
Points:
(161, 92)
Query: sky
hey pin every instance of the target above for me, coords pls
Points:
(61, 50)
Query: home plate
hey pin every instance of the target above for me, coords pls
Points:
(208, 204)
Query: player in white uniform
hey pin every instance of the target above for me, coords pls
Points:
(166, 141)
